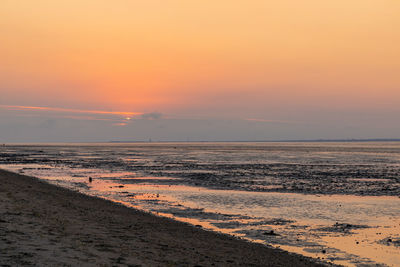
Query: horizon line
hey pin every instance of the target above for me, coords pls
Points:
(216, 141)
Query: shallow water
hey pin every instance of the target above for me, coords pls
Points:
(336, 201)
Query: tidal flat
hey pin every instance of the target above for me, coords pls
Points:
(336, 202)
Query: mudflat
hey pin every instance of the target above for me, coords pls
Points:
(45, 225)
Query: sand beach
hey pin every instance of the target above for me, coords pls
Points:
(45, 225)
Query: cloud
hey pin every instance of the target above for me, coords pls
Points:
(151, 116)
(67, 110)
(273, 121)
(76, 114)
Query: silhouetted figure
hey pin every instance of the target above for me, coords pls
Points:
(90, 179)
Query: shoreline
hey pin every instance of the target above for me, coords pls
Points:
(43, 224)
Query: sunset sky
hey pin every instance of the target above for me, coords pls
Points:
(99, 70)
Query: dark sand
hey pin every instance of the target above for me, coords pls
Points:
(45, 225)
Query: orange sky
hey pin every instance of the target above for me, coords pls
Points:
(202, 58)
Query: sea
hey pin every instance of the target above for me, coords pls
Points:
(334, 201)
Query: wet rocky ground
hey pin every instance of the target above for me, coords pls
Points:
(308, 168)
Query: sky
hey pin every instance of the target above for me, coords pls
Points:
(175, 70)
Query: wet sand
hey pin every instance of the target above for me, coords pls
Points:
(45, 225)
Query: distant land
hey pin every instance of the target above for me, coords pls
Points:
(268, 141)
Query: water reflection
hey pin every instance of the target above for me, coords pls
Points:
(349, 230)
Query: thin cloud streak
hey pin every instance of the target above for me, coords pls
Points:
(273, 121)
(117, 118)
(67, 110)
(87, 118)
